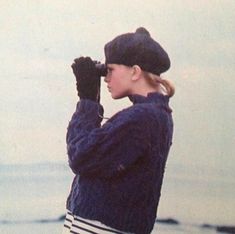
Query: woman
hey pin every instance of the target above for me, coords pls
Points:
(119, 166)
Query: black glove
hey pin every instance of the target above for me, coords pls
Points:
(88, 80)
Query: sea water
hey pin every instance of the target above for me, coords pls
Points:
(33, 198)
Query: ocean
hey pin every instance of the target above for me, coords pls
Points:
(33, 199)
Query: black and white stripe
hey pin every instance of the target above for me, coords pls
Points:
(78, 225)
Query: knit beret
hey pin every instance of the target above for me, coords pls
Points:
(137, 48)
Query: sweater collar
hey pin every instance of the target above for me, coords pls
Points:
(157, 98)
(151, 97)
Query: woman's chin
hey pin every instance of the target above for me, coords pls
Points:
(117, 96)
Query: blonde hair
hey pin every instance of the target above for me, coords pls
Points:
(156, 81)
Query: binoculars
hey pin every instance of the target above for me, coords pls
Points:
(101, 69)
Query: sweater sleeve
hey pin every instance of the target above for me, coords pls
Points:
(108, 150)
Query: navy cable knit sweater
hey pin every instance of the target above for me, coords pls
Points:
(119, 166)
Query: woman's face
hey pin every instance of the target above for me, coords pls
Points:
(118, 80)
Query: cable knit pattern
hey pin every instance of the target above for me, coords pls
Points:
(119, 166)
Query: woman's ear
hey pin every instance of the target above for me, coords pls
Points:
(136, 72)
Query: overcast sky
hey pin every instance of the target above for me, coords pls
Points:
(39, 40)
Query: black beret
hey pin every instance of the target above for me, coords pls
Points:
(137, 49)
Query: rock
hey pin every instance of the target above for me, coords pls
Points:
(44, 221)
(168, 221)
(206, 225)
(61, 218)
(226, 229)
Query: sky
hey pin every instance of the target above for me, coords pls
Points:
(39, 40)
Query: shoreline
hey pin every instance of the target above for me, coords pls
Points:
(166, 221)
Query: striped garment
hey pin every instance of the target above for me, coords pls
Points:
(77, 225)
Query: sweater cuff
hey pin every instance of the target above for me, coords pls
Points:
(90, 109)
